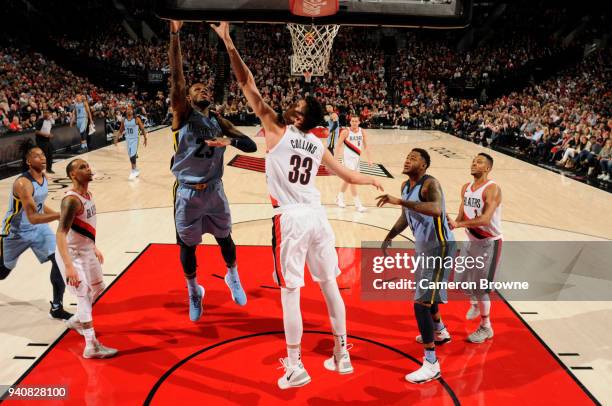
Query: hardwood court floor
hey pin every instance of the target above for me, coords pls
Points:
(538, 206)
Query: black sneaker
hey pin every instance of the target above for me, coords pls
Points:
(59, 313)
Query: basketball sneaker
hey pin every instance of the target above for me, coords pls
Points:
(440, 337)
(427, 372)
(340, 201)
(74, 324)
(195, 305)
(136, 172)
(358, 206)
(132, 175)
(339, 362)
(472, 312)
(232, 280)
(294, 377)
(59, 313)
(99, 351)
(481, 335)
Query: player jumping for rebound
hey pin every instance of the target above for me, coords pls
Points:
(200, 204)
(130, 126)
(301, 231)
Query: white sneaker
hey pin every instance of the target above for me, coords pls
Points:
(99, 351)
(481, 335)
(607, 177)
(294, 377)
(132, 175)
(340, 201)
(358, 206)
(427, 372)
(440, 337)
(136, 173)
(339, 362)
(473, 312)
(74, 324)
(602, 176)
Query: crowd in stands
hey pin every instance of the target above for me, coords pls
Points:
(564, 120)
(31, 84)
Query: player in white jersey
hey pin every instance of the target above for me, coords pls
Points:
(78, 257)
(131, 126)
(353, 142)
(301, 232)
(480, 215)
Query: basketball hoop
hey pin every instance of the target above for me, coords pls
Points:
(312, 45)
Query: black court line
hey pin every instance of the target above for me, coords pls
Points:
(551, 352)
(528, 312)
(73, 304)
(52, 346)
(182, 362)
(269, 287)
(582, 368)
(218, 276)
(132, 252)
(37, 345)
(23, 357)
(568, 354)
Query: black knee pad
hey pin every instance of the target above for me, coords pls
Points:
(434, 309)
(228, 250)
(133, 159)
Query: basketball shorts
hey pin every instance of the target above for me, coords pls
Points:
(436, 266)
(92, 285)
(197, 212)
(132, 146)
(486, 252)
(82, 127)
(40, 239)
(351, 161)
(302, 235)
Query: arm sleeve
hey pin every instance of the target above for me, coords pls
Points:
(243, 143)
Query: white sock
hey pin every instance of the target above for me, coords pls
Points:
(294, 355)
(357, 201)
(90, 337)
(485, 308)
(339, 343)
(292, 320)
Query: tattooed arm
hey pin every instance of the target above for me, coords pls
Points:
(69, 209)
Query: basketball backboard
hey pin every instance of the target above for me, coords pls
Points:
(390, 13)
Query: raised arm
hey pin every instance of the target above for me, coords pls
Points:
(346, 174)
(245, 79)
(178, 85)
(23, 190)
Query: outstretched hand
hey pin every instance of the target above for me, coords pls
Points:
(384, 199)
(175, 26)
(377, 185)
(218, 142)
(222, 30)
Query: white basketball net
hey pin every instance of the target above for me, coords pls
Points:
(312, 45)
